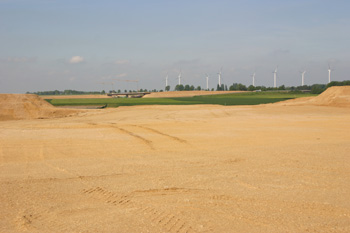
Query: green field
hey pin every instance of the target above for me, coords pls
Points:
(249, 98)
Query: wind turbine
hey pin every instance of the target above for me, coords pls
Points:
(253, 76)
(207, 76)
(275, 78)
(302, 77)
(329, 73)
(220, 77)
(179, 77)
(166, 79)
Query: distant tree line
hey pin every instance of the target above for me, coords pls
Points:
(187, 87)
(67, 92)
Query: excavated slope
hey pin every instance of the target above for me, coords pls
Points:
(28, 106)
(332, 97)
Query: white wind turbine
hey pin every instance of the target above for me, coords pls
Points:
(179, 77)
(220, 77)
(329, 73)
(207, 77)
(275, 78)
(253, 76)
(302, 77)
(166, 79)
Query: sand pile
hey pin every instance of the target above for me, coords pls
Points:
(332, 97)
(28, 106)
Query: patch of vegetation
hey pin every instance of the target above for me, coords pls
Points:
(249, 98)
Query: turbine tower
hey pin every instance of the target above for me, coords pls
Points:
(275, 78)
(302, 77)
(207, 81)
(166, 79)
(253, 76)
(329, 73)
(220, 77)
(179, 77)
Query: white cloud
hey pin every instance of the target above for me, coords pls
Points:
(122, 75)
(122, 62)
(76, 59)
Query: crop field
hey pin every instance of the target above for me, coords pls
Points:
(251, 98)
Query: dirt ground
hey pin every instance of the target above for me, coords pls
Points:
(270, 168)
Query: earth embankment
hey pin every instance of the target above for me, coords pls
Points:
(28, 106)
(332, 97)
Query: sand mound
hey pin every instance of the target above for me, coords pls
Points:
(28, 106)
(332, 97)
(170, 94)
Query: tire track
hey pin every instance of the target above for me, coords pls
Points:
(226, 113)
(113, 125)
(127, 132)
(142, 139)
(161, 133)
(165, 220)
(109, 197)
(215, 115)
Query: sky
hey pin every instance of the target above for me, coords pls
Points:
(92, 45)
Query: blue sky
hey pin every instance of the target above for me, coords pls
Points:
(48, 45)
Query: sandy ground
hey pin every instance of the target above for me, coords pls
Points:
(268, 168)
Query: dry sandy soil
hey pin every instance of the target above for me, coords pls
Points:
(270, 168)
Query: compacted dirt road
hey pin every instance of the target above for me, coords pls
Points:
(269, 168)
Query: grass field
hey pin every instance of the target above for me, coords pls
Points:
(250, 98)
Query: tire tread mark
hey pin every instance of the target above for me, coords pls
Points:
(161, 133)
(127, 132)
(163, 219)
(144, 140)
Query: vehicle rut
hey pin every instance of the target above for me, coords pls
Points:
(165, 220)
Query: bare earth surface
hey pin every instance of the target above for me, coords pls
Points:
(270, 168)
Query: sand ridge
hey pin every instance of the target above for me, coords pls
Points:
(332, 97)
(28, 106)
